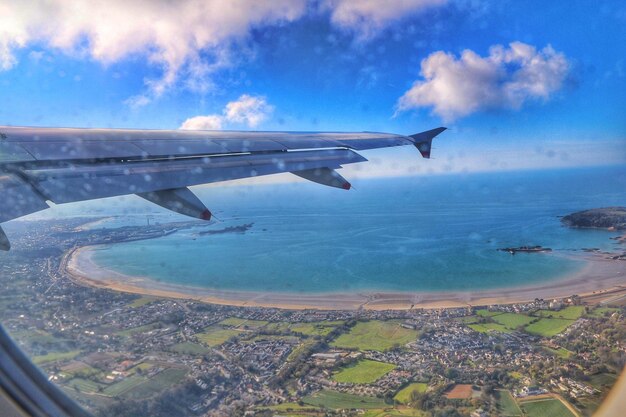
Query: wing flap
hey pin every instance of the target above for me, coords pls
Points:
(84, 182)
(18, 198)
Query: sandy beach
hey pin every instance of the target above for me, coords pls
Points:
(598, 276)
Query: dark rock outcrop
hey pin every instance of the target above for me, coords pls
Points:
(612, 218)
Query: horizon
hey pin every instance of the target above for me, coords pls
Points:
(502, 79)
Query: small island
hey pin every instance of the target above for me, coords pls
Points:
(526, 249)
(609, 218)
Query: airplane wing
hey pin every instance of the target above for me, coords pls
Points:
(62, 165)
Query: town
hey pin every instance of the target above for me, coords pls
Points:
(136, 355)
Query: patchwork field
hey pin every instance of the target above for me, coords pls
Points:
(548, 327)
(560, 352)
(364, 371)
(460, 392)
(188, 348)
(338, 400)
(512, 321)
(404, 395)
(375, 335)
(547, 323)
(602, 380)
(545, 407)
(602, 312)
(141, 301)
(158, 383)
(507, 407)
(215, 336)
(489, 327)
(569, 313)
(85, 385)
(140, 329)
(55, 357)
(398, 412)
(123, 386)
(238, 323)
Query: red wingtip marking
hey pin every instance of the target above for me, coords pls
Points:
(346, 186)
(206, 215)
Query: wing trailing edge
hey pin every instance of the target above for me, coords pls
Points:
(39, 166)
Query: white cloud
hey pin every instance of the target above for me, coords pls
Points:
(248, 110)
(210, 122)
(366, 18)
(187, 39)
(506, 78)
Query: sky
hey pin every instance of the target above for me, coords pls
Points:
(520, 84)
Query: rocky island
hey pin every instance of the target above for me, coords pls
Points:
(611, 218)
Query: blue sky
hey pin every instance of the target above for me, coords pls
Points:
(521, 84)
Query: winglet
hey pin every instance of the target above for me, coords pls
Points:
(423, 141)
(4, 241)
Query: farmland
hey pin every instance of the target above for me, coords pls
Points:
(404, 395)
(548, 327)
(215, 336)
(337, 400)
(545, 407)
(375, 335)
(55, 356)
(506, 404)
(569, 313)
(188, 348)
(363, 372)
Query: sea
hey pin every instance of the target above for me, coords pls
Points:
(423, 233)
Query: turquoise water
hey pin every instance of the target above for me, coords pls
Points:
(419, 234)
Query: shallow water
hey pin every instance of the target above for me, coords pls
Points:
(419, 234)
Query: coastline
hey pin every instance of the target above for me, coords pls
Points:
(598, 276)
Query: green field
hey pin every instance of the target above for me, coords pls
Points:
(85, 385)
(79, 370)
(375, 335)
(602, 312)
(404, 395)
(158, 383)
(287, 407)
(140, 329)
(486, 313)
(320, 328)
(489, 327)
(338, 400)
(560, 352)
(603, 380)
(506, 404)
(143, 366)
(141, 301)
(238, 323)
(512, 321)
(364, 371)
(403, 412)
(569, 313)
(215, 336)
(188, 348)
(548, 327)
(55, 357)
(546, 407)
(261, 337)
(123, 386)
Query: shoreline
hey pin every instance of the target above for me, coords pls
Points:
(598, 276)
